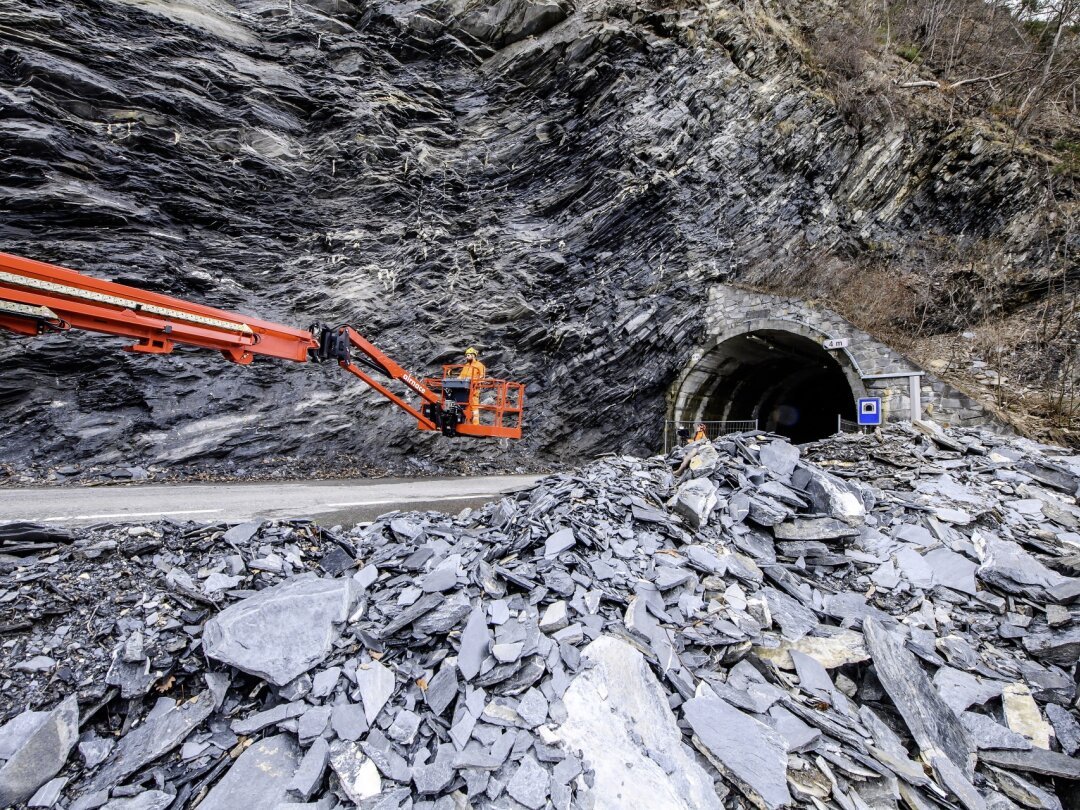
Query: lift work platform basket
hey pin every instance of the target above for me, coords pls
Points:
(491, 407)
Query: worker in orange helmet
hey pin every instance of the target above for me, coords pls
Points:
(701, 433)
(474, 371)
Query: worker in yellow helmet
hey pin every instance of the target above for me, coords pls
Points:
(474, 371)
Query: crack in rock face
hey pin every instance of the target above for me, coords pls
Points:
(556, 185)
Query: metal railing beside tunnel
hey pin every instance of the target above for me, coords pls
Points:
(847, 426)
(713, 430)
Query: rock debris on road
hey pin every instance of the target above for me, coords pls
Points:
(868, 622)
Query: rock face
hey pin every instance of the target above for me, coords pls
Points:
(619, 718)
(282, 632)
(558, 184)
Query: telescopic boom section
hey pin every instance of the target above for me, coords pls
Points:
(36, 298)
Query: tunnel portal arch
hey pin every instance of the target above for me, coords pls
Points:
(774, 371)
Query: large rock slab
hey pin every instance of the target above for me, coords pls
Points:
(935, 726)
(281, 632)
(1005, 565)
(695, 501)
(779, 457)
(41, 753)
(1036, 760)
(1055, 646)
(155, 737)
(149, 800)
(260, 777)
(618, 717)
(829, 494)
(839, 648)
(16, 731)
(746, 751)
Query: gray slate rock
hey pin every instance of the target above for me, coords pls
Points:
(795, 619)
(695, 501)
(1035, 760)
(240, 534)
(309, 775)
(260, 777)
(529, 784)
(269, 717)
(1007, 566)
(358, 775)
(1066, 728)
(148, 800)
(283, 631)
(556, 544)
(1059, 646)
(1023, 791)
(780, 457)
(16, 731)
(962, 689)
(952, 570)
(932, 723)
(435, 777)
(376, 684)
(349, 721)
(41, 754)
(442, 689)
(986, 733)
(48, 794)
(154, 738)
(475, 642)
(824, 528)
(746, 751)
(618, 717)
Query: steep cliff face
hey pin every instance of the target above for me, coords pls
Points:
(556, 184)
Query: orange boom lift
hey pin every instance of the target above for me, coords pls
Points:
(36, 298)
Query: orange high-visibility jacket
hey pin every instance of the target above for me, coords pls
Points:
(473, 370)
(701, 434)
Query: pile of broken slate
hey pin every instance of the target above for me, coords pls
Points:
(889, 624)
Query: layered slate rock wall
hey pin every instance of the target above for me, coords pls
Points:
(560, 185)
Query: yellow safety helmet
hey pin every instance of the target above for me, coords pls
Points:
(471, 351)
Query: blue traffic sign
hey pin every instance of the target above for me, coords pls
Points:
(870, 411)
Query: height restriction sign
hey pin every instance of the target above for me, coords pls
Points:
(870, 411)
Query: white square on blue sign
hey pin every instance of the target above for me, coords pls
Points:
(870, 411)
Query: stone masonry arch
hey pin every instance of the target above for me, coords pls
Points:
(772, 370)
(763, 357)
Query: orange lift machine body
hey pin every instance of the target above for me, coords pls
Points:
(36, 298)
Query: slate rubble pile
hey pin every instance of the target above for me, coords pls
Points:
(732, 626)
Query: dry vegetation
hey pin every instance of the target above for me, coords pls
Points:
(1016, 63)
(1006, 67)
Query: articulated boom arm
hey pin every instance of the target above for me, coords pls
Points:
(338, 343)
(36, 298)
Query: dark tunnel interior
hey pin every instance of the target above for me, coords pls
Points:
(788, 382)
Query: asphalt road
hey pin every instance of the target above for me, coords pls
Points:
(330, 502)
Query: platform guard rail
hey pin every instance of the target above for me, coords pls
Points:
(497, 404)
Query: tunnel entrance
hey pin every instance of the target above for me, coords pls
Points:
(786, 381)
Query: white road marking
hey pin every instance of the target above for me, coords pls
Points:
(413, 499)
(119, 515)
